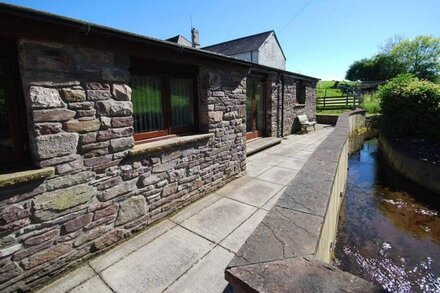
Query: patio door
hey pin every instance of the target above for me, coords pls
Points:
(255, 108)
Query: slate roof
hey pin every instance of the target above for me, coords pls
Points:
(179, 39)
(245, 44)
(100, 30)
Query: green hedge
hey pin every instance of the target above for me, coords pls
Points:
(410, 108)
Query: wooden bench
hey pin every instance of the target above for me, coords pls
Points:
(305, 122)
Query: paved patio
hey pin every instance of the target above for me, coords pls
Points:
(189, 251)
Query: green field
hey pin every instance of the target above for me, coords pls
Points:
(327, 88)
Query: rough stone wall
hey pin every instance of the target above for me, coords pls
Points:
(79, 107)
(291, 106)
(274, 105)
(290, 109)
(310, 108)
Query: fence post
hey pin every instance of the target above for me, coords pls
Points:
(346, 100)
(324, 101)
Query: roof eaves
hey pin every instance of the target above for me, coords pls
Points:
(235, 40)
(57, 19)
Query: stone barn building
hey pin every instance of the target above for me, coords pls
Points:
(263, 48)
(104, 132)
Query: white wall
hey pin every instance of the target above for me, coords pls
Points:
(270, 54)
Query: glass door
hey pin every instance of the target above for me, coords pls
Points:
(255, 108)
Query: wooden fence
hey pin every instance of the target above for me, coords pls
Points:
(339, 102)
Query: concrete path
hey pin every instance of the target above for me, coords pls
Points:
(189, 251)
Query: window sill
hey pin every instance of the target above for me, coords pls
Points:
(166, 144)
(11, 179)
(299, 105)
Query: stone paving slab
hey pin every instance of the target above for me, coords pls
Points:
(219, 219)
(267, 159)
(236, 239)
(281, 234)
(307, 197)
(119, 252)
(268, 205)
(303, 154)
(70, 281)
(195, 208)
(294, 163)
(189, 251)
(155, 266)
(204, 275)
(255, 192)
(296, 275)
(278, 175)
(255, 168)
(228, 188)
(95, 285)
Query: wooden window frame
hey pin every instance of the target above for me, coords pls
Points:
(166, 72)
(301, 92)
(14, 100)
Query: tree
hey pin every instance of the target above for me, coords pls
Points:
(421, 56)
(390, 43)
(380, 67)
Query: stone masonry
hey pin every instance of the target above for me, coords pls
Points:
(292, 108)
(80, 122)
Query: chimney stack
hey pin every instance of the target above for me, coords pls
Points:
(195, 38)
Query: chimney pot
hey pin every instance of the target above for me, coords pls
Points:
(195, 38)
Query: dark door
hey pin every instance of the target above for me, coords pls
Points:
(255, 108)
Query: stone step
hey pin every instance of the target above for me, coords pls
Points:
(257, 145)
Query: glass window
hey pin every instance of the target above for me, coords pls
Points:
(162, 105)
(147, 103)
(181, 90)
(12, 117)
(6, 143)
(301, 92)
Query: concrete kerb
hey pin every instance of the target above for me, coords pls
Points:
(307, 194)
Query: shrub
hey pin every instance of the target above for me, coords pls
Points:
(410, 108)
(371, 103)
(372, 107)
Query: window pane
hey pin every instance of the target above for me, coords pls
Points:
(259, 99)
(300, 92)
(147, 103)
(6, 143)
(250, 106)
(181, 90)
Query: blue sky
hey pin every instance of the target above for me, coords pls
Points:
(319, 37)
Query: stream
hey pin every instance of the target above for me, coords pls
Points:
(389, 228)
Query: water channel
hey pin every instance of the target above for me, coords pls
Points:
(389, 229)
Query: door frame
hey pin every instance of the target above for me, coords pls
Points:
(255, 133)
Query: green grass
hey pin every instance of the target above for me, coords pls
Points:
(371, 103)
(332, 111)
(326, 88)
